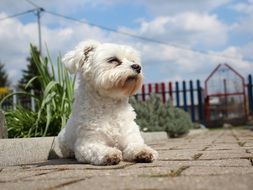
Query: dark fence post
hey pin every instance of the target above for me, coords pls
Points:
(156, 88)
(177, 95)
(250, 94)
(143, 92)
(185, 96)
(163, 93)
(192, 101)
(200, 101)
(149, 88)
(170, 91)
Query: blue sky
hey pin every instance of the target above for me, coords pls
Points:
(220, 29)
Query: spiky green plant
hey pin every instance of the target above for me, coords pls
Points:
(54, 104)
(153, 115)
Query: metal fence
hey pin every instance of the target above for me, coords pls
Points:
(188, 95)
(17, 99)
(185, 95)
(191, 96)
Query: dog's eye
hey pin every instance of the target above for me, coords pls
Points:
(114, 60)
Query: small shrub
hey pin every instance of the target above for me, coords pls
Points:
(54, 104)
(21, 122)
(153, 115)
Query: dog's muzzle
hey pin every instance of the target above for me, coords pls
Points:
(136, 67)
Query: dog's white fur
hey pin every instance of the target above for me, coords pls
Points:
(101, 129)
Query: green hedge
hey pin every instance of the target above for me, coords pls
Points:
(153, 115)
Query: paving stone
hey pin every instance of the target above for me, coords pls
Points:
(248, 144)
(191, 146)
(248, 139)
(230, 182)
(224, 151)
(68, 164)
(226, 141)
(84, 173)
(213, 170)
(248, 149)
(176, 155)
(17, 175)
(207, 163)
(73, 165)
(217, 155)
(224, 147)
(43, 184)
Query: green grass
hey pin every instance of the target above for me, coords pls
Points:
(241, 143)
(54, 103)
(171, 173)
(197, 156)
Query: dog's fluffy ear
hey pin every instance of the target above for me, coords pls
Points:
(74, 59)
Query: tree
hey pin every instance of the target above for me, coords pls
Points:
(30, 72)
(4, 81)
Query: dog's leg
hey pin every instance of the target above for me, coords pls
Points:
(97, 153)
(136, 150)
(65, 151)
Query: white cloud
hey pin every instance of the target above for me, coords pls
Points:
(233, 56)
(243, 27)
(16, 37)
(166, 63)
(160, 62)
(186, 29)
(246, 50)
(245, 7)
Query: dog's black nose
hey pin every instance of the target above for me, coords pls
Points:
(136, 67)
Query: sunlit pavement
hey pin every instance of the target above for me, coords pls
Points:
(217, 159)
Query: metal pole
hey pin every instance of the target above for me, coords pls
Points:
(163, 92)
(38, 11)
(192, 101)
(32, 101)
(143, 91)
(185, 96)
(225, 98)
(14, 100)
(200, 103)
(177, 95)
(250, 94)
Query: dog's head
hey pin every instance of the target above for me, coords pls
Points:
(111, 69)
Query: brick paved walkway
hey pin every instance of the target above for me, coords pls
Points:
(219, 159)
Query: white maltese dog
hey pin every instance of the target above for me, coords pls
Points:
(101, 129)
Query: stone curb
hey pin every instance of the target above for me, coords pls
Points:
(32, 150)
(194, 132)
(25, 151)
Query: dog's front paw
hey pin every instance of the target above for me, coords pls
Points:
(112, 158)
(144, 156)
(140, 154)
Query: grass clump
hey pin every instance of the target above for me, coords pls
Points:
(53, 102)
(171, 173)
(241, 143)
(153, 115)
(197, 156)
